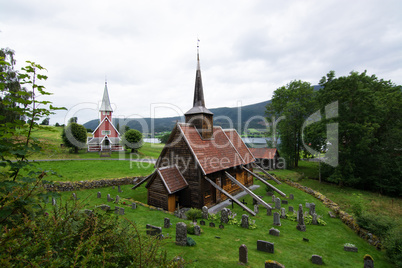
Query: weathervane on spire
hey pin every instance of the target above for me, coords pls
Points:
(105, 79)
(198, 48)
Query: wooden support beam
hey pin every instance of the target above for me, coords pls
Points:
(259, 200)
(230, 196)
(266, 173)
(265, 182)
(141, 182)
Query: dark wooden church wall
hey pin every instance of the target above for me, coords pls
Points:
(157, 194)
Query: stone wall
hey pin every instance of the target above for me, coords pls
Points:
(78, 185)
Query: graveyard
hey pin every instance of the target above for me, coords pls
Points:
(275, 236)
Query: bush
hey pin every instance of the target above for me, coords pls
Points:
(190, 229)
(191, 242)
(393, 245)
(194, 214)
(375, 224)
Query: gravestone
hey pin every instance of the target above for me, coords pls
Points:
(277, 220)
(99, 195)
(243, 254)
(108, 198)
(53, 201)
(119, 189)
(300, 221)
(351, 249)
(274, 232)
(104, 207)
(273, 198)
(316, 259)
(368, 261)
(269, 212)
(117, 199)
(256, 209)
(211, 224)
(221, 226)
(285, 202)
(312, 209)
(283, 213)
(291, 209)
(197, 230)
(314, 220)
(273, 264)
(116, 210)
(113, 187)
(121, 211)
(181, 234)
(225, 215)
(74, 196)
(205, 212)
(306, 239)
(265, 246)
(331, 214)
(166, 223)
(155, 231)
(255, 202)
(202, 222)
(308, 205)
(244, 221)
(291, 196)
(277, 203)
(270, 193)
(133, 205)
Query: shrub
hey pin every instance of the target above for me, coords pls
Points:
(375, 224)
(190, 242)
(190, 229)
(193, 214)
(393, 245)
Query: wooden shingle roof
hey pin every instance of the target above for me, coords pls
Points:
(172, 179)
(264, 153)
(239, 145)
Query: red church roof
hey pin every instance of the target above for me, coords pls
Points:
(264, 153)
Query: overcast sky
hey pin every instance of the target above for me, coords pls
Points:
(147, 49)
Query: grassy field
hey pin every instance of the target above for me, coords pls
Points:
(51, 148)
(219, 248)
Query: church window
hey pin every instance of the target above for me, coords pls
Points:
(106, 132)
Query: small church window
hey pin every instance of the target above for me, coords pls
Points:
(105, 132)
(105, 113)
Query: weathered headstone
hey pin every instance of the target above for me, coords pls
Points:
(300, 221)
(273, 198)
(104, 207)
(119, 189)
(166, 223)
(133, 205)
(53, 201)
(243, 254)
(202, 222)
(221, 226)
(291, 209)
(312, 209)
(113, 187)
(291, 196)
(121, 211)
(181, 234)
(244, 221)
(154, 231)
(308, 205)
(351, 249)
(265, 246)
(269, 212)
(306, 239)
(283, 213)
(274, 232)
(74, 196)
(108, 198)
(205, 212)
(277, 203)
(197, 230)
(224, 215)
(368, 261)
(117, 199)
(211, 224)
(99, 195)
(116, 210)
(256, 209)
(314, 220)
(316, 259)
(277, 220)
(270, 193)
(285, 202)
(273, 264)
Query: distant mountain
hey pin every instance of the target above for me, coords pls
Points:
(249, 115)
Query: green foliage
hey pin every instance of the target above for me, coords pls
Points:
(133, 139)
(293, 103)
(165, 137)
(190, 229)
(393, 245)
(212, 217)
(308, 219)
(74, 136)
(376, 224)
(194, 213)
(190, 242)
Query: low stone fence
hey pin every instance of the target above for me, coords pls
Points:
(345, 217)
(62, 186)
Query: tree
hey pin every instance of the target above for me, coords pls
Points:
(291, 105)
(73, 120)
(45, 122)
(74, 136)
(133, 139)
(370, 127)
(165, 137)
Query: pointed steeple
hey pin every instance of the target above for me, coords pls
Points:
(105, 105)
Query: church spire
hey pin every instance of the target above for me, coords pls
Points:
(105, 105)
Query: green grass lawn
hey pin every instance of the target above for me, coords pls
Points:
(71, 170)
(210, 251)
